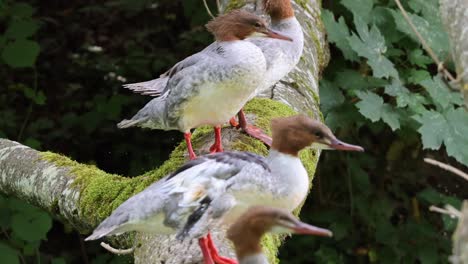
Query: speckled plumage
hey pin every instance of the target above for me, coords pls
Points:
(207, 88)
(218, 187)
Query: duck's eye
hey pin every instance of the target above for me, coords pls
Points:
(318, 134)
(257, 25)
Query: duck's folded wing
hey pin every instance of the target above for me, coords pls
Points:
(216, 202)
(177, 196)
(158, 87)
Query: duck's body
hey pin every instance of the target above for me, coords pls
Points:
(217, 187)
(211, 86)
(207, 88)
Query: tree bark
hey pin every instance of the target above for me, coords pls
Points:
(455, 17)
(83, 195)
(460, 237)
(454, 14)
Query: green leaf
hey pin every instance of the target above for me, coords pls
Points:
(21, 53)
(33, 143)
(343, 116)
(359, 8)
(428, 254)
(432, 32)
(431, 196)
(416, 76)
(373, 107)
(31, 226)
(38, 98)
(370, 105)
(440, 93)
(449, 127)
(8, 255)
(433, 129)
(405, 97)
(428, 8)
(58, 261)
(351, 80)
(456, 140)
(31, 248)
(383, 19)
(22, 10)
(337, 33)
(339, 229)
(19, 29)
(371, 45)
(418, 58)
(330, 96)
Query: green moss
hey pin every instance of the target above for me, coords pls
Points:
(271, 243)
(265, 110)
(234, 4)
(100, 192)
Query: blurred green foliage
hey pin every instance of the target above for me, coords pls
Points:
(62, 67)
(382, 91)
(63, 64)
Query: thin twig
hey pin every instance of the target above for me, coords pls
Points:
(208, 9)
(449, 211)
(117, 251)
(218, 6)
(440, 65)
(447, 167)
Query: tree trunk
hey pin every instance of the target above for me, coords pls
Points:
(82, 195)
(460, 237)
(455, 18)
(454, 14)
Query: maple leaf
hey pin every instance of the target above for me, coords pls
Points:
(449, 127)
(371, 45)
(373, 107)
(337, 33)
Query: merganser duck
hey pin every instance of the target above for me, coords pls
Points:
(249, 228)
(218, 188)
(281, 56)
(211, 86)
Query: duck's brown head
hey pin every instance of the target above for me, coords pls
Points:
(248, 229)
(294, 133)
(278, 9)
(240, 24)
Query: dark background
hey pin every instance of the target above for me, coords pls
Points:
(60, 92)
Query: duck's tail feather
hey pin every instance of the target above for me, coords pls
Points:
(126, 123)
(153, 88)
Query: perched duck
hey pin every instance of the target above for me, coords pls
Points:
(211, 86)
(218, 188)
(281, 56)
(249, 228)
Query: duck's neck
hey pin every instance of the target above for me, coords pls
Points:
(258, 258)
(247, 246)
(286, 166)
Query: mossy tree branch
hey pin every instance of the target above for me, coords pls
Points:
(83, 195)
